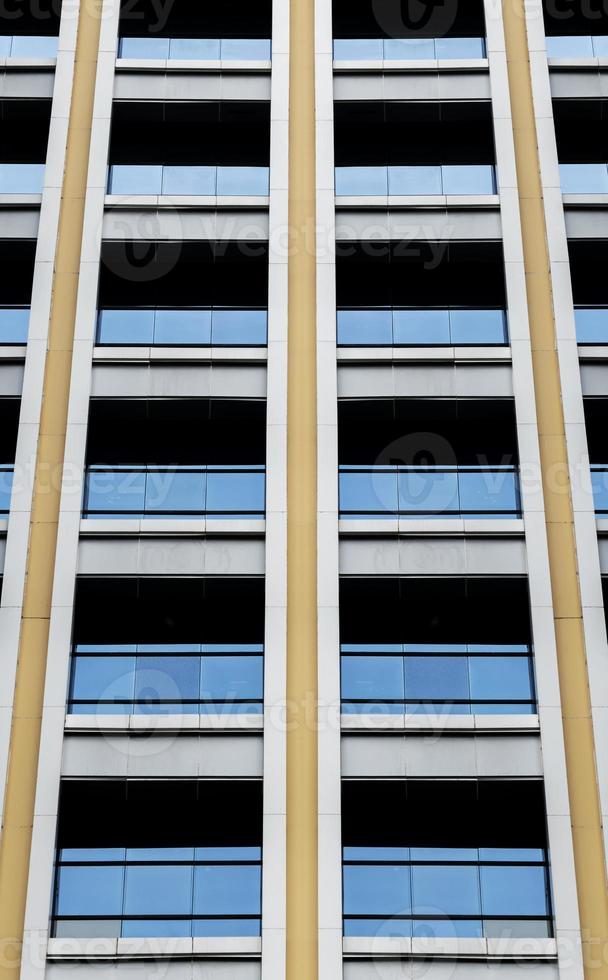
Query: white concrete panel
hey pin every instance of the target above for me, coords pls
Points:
(444, 969)
(171, 224)
(410, 86)
(190, 86)
(425, 380)
(166, 556)
(432, 556)
(171, 970)
(177, 381)
(414, 224)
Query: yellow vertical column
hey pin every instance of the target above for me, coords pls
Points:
(567, 608)
(302, 916)
(18, 814)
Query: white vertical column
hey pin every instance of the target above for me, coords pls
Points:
(329, 767)
(49, 765)
(547, 679)
(275, 649)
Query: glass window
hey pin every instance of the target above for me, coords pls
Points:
(182, 327)
(245, 49)
(239, 327)
(421, 327)
(376, 890)
(194, 49)
(460, 47)
(192, 181)
(477, 327)
(361, 181)
(141, 179)
(368, 327)
(6, 487)
(500, 678)
(227, 890)
(14, 325)
(368, 492)
(161, 890)
(373, 678)
(462, 928)
(90, 891)
(487, 492)
(28, 46)
(125, 327)
(21, 178)
(167, 928)
(584, 178)
(230, 494)
(468, 179)
(409, 49)
(144, 47)
(115, 491)
(591, 326)
(428, 492)
(5, 45)
(175, 492)
(599, 485)
(437, 678)
(102, 678)
(569, 47)
(516, 890)
(600, 45)
(167, 678)
(358, 49)
(227, 678)
(406, 181)
(244, 181)
(446, 889)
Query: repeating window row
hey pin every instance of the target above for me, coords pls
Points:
(416, 180)
(185, 180)
(409, 48)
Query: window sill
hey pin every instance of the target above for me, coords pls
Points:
(191, 65)
(20, 200)
(590, 63)
(450, 948)
(186, 201)
(129, 949)
(190, 354)
(414, 65)
(159, 527)
(586, 200)
(425, 354)
(425, 527)
(418, 201)
(440, 723)
(28, 62)
(164, 724)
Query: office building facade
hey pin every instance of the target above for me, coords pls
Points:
(304, 489)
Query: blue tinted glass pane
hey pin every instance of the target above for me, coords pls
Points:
(421, 327)
(600, 46)
(512, 854)
(409, 49)
(444, 854)
(569, 47)
(500, 678)
(584, 178)
(158, 890)
(144, 47)
(6, 486)
(376, 890)
(167, 678)
(358, 49)
(245, 49)
(373, 492)
(373, 677)
(5, 45)
(364, 181)
(28, 46)
(226, 927)
(428, 493)
(227, 678)
(591, 326)
(125, 327)
(235, 493)
(239, 327)
(437, 708)
(92, 854)
(163, 928)
(246, 181)
(14, 326)
(228, 890)
(461, 928)
(182, 327)
(489, 492)
(477, 326)
(118, 491)
(437, 678)
(21, 178)
(155, 854)
(445, 889)
(102, 678)
(599, 484)
(414, 180)
(514, 891)
(394, 928)
(175, 492)
(194, 49)
(376, 853)
(374, 327)
(189, 180)
(135, 180)
(460, 47)
(90, 891)
(468, 180)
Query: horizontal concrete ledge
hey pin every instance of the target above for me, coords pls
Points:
(585, 200)
(460, 724)
(431, 527)
(592, 64)
(16, 353)
(449, 948)
(150, 65)
(424, 355)
(165, 355)
(152, 949)
(464, 65)
(476, 202)
(165, 555)
(35, 63)
(20, 200)
(151, 527)
(599, 353)
(142, 202)
(163, 724)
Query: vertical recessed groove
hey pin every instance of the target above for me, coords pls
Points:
(20, 792)
(302, 900)
(567, 605)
